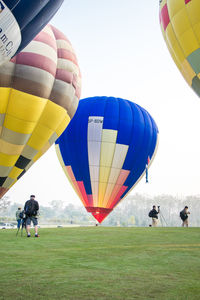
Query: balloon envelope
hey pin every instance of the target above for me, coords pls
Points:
(39, 93)
(105, 149)
(21, 21)
(180, 25)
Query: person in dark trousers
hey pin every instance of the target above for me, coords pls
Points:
(184, 216)
(18, 219)
(31, 209)
(154, 215)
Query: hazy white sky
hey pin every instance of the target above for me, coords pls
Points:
(121, 53)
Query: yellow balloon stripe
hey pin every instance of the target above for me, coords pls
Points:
(193, 9)
(63, 124)
(42, 151)
(8, 160)
(4, 92)
(40, 135)
(174, 6)
(15, 172)
(174, 44)
(18, 125)
(25, 106)
(51, 115)
(50, 136)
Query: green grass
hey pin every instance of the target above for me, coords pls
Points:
(101, 263)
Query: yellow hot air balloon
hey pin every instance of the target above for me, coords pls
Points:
(39, 94)
(180, 24)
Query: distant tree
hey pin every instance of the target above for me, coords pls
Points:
(57, 204)
(4, 203)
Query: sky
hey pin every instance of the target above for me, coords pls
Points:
(121, 53)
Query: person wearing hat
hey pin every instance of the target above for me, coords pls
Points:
(31, 209)
(18, 217)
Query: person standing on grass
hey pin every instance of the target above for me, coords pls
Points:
(154, 215)
(19, 210)
(184, 216)
(31, 209)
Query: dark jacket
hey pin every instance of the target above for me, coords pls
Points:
(183, 215)
(34, 207)
(154, 213)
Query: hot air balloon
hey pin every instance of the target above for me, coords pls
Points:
(105, 149)
(180, 25)
(21, 21)
(39, 93)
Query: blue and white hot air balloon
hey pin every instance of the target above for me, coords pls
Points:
(105, 149)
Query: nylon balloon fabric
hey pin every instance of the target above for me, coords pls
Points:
(21, 21)
(39, 94)
(105, 149)
(180, 25)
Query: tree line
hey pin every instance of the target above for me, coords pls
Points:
(132, 211)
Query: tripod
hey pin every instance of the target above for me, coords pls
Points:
(23, 225)
(162, 219)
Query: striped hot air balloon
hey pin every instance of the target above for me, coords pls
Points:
(39, 94)
(105, 149)
(21, 21)
(180, 25)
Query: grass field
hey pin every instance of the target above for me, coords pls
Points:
(101, 263)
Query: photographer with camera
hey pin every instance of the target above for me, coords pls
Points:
(154, 215)
(184, 216)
